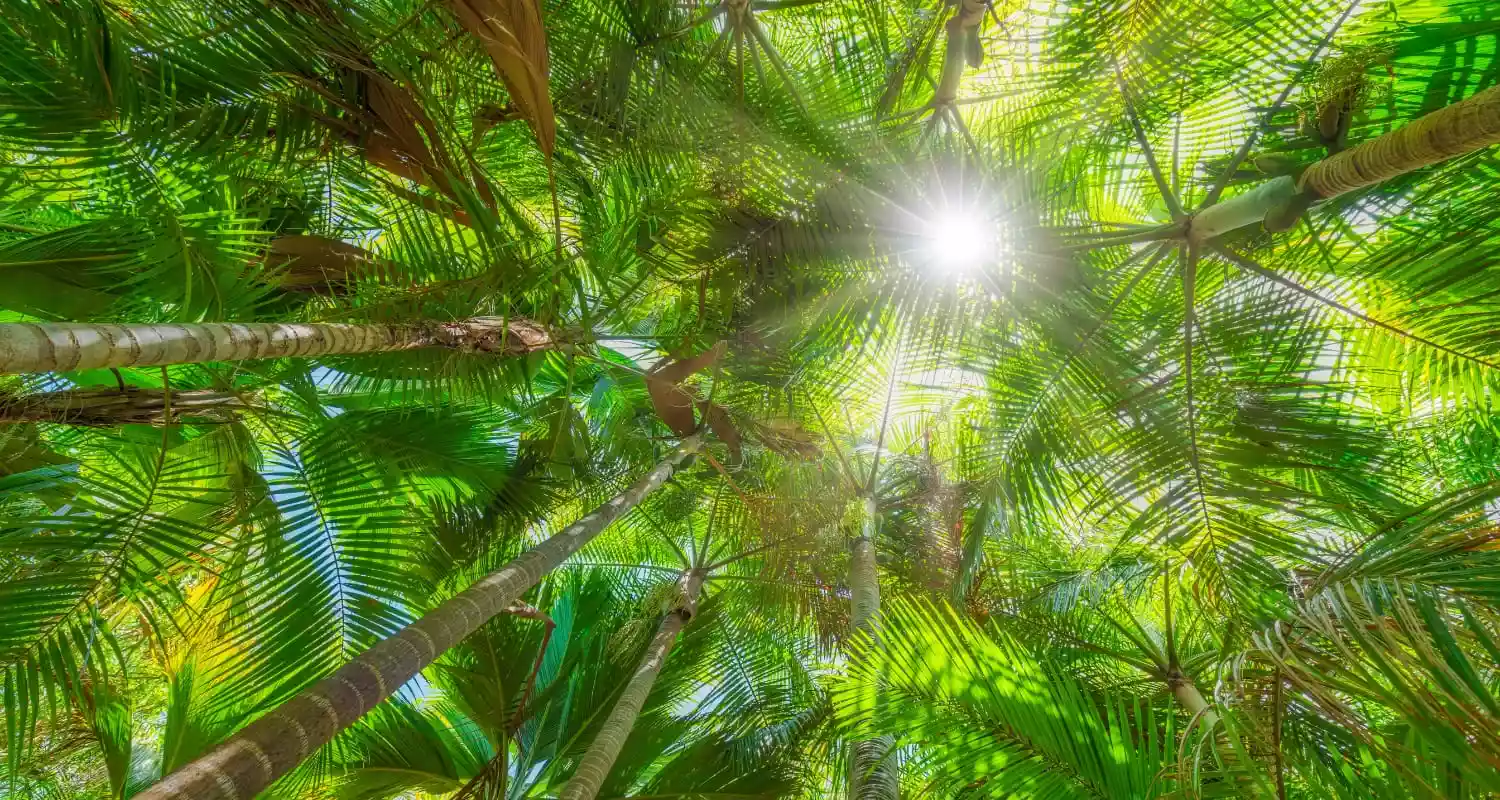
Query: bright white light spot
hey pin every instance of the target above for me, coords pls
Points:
(959, 241)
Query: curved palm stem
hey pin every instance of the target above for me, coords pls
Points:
(1189, 288)
(271, 746)
(1163, 186)
(601, 755)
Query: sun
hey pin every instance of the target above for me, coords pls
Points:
(958, 241)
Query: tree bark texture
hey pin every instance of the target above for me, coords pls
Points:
(1458, 129)
(1463, 127)
(595, 765)
(104, 407)
(272, 745)
(864, 578)
(65, 346)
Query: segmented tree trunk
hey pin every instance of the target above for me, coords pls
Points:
(869, 777)
(120, 407)
(601, 755)
(1463, 127)
(272, 745)
(64, 346)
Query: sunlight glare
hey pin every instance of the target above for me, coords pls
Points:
(959, 241)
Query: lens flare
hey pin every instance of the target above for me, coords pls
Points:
(958, 241)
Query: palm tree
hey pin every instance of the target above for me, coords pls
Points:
(55, 347)
(606, 746)
(1105, 406)
(274, 744)
(869, 774)
(1464, 127)
(121, 406)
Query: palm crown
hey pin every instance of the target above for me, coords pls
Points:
(753, 398)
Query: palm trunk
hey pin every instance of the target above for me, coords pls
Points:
(864, 578)
(1189, 697)
(65, 346)
(1191, 700)
(1461, 128)
(869, 779)
(106, 407)
(601, 755)
(961, 26)
(271, 746)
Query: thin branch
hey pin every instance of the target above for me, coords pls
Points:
(706, 552)
(1276, 712)
(1189, 285)
(1177, 140)
(681, 554)
(1158, 233)
(716, 465)
(776, 63)
(963, 128)
(717, 10)
(495, 766)
(748, 553)
(1141, 642)
(1083, 644)
(777, 5)
(1168, 631)
(531, 612)
(848, 470)
(928, 128)
(885, 420)
(619, 565)
(404, 24)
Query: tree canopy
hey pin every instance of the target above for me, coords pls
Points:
(750, 399)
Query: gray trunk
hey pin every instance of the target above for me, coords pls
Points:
(601, 755)
(271, 746)
(870, 776)
(864, 576)
(66, 346)
(1192, 701)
